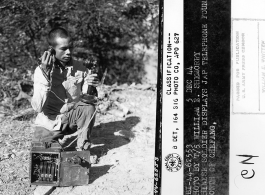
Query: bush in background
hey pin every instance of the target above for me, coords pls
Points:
(110, 30)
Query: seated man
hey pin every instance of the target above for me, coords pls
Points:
(59, 82)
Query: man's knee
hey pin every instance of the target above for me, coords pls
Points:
(85, 113)
(86, 110)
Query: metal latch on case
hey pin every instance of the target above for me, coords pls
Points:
(74, 160)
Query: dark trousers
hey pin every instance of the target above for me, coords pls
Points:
(78, 118)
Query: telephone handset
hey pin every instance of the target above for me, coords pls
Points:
(51, 50)
(47, 74)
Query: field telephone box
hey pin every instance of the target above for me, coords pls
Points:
(50, 165)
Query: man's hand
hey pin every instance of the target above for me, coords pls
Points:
(92, 79)
(46, 62)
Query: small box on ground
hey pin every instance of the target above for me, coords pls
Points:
(51, 166)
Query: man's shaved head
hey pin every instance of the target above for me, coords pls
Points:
(57, 32)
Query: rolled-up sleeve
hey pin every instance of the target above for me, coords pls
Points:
(40, 90)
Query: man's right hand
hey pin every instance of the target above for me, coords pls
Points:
(46, 62)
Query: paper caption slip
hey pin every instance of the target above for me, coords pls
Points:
(248, 66)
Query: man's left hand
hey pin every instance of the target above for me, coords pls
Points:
(92, 79)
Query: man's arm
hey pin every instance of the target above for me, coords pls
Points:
(42, 81)
(41, 89)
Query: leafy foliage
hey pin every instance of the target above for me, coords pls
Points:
(106, 29)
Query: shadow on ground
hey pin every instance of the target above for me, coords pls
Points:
(104, 139)
(103, 135)
(97, 172)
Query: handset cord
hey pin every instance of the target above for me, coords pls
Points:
(101, 83)
(83, 129)
(50, 82)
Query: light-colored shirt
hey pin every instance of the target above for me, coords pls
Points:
(52, 99)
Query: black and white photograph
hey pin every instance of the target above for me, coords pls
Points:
(132, 97)
(78, 91)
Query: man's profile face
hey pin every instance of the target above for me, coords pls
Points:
(63, 49)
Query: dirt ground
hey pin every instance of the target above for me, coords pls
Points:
(124, 146)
